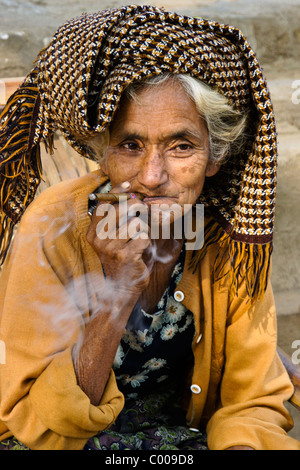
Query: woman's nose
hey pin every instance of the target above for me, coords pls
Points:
(153, 172)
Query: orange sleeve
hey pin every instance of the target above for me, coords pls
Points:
(44, 304)
(254, 384)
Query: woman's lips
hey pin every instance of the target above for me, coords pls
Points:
(158, 199)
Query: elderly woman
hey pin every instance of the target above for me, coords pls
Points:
(116, 335)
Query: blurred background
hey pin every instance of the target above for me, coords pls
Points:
(272, 28)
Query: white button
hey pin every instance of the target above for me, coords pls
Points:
(179, 296)
(199, 338)
(195, 389)
(194, 429)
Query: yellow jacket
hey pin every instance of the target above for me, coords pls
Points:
(48, 288)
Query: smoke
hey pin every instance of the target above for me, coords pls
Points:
(65, 297)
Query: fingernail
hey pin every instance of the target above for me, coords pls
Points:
(125, 185)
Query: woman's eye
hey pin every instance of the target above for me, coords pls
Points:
(183, 150)
(133, 146)
(184, 147)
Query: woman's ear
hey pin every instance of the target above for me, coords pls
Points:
(211, 168)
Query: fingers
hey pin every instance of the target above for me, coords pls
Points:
(123, 222)
(121, 188)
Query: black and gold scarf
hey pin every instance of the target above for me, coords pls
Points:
(76, 85)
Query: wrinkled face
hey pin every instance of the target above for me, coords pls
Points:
(160, 144)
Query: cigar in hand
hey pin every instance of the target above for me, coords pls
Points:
(114, 197)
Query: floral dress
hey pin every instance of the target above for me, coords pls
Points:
(149, 365)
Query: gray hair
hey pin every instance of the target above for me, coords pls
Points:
(226, 126)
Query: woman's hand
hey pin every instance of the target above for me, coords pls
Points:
(123, 256)
(121, 241)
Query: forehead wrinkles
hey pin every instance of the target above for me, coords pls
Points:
(168, 110)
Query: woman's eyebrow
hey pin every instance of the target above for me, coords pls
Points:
(186, 134)
(179, 134)
(123, 135)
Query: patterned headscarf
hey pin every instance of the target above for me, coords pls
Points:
(76, 85)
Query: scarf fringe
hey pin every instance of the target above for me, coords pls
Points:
(242, 262)
(20, 163)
